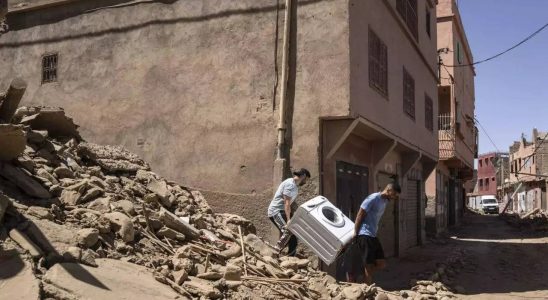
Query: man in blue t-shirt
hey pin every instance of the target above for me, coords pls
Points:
(366, 227)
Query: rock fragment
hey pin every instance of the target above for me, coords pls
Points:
(122, 225)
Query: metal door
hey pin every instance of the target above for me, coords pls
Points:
(352, 189)
(452, 204)
(412, 213)
(387, 227)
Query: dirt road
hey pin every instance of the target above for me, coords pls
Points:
(501, 262)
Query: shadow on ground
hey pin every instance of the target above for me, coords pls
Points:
(501, 259)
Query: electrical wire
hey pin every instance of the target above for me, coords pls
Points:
(505, 51)
(489, 137)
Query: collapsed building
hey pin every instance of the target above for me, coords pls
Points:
(85, 221)
(228, 96)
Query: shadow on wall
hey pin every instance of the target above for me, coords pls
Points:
(31, 19)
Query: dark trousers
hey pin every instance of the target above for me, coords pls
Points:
(286, 238)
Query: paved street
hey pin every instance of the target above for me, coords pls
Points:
(500, 262)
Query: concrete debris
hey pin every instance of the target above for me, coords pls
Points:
(54, 121)
(98, 224)
(172, 221)
(111, 280)
(24, 181)
(88, 237)
(40, 212)
(112, 158)
(10, 101)
(26, 243)
(535, 220)
(12, 141)
(17, 280)
(122, 225)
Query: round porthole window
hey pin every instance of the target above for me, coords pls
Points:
(332, 216)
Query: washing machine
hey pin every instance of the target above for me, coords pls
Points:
(322, 227)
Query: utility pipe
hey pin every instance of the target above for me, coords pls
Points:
(285, 70)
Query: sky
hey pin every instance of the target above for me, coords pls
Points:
(512, 90)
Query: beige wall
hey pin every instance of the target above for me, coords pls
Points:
(188, 85)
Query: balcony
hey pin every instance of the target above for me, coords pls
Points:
(447, 137)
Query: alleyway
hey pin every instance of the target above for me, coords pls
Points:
(500, 262)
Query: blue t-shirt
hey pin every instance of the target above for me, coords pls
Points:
(374, 206)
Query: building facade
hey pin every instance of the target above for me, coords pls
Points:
(195, 87)
(457, 132)
(492, 172)
(528, 172)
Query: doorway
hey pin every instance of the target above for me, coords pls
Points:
(352, 188)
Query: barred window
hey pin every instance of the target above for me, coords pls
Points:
(378, 64)
(408, 11)
(408, 94)
(428, 113)
(49, 68)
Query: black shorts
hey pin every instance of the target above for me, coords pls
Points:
(371, 249)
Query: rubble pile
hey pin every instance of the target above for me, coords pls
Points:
(536, 220)
(440, 283)
(80, 220)
(74, 210)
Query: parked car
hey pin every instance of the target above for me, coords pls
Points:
(489, 205)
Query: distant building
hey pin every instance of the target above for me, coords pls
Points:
(528, 166)
(492, 167)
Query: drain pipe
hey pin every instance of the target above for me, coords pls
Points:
(285, 70)
(281, 161)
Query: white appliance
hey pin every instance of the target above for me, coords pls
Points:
(322, 227)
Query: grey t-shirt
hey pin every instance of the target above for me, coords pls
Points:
(288, 188)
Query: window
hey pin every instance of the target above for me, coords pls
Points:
(408, 94)
(428, 113)
(428, 22)
(486, 183)
(512, 167)
(408, 11)
(378, 64)
(493, 179)
(49, 68)
(480, 163)
(481, 184)
(486, 162)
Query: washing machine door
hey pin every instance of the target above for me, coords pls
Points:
(332, 216)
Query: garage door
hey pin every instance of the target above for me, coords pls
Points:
(387, 228)
(411, 214)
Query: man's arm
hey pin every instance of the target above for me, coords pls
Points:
(358, 223)
(287, 207)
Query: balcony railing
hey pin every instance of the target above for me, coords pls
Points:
(444, 121)
(446, 136)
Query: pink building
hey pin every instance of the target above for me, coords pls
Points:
(456, 126)
(491, 168)
(528, 171)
